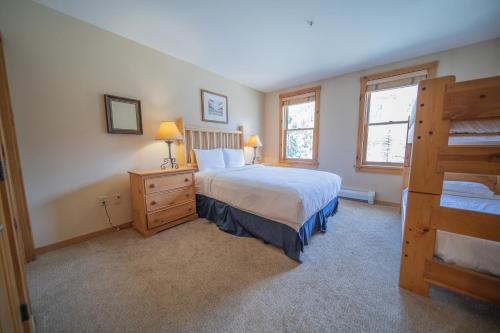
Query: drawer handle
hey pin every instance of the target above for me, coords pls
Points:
(187, 195)
(153, 202)
(186, 179)
(190, 209)
(152, 185)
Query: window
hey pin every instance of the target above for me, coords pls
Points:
(299, 122)
(386, 101)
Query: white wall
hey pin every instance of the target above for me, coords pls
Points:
(59, 68)
(339, 114)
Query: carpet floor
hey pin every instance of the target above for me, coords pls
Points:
(195, 278)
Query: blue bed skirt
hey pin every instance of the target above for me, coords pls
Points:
(244, 224)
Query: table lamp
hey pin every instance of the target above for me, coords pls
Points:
(254, 142)
(169, 133)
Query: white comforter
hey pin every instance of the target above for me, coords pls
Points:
(478, 254)
(286, 195)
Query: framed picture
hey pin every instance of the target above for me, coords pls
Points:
(123, 115)
(213, 107)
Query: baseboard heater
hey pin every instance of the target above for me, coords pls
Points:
(363, 195)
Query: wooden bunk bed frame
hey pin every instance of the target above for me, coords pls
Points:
(429, 161)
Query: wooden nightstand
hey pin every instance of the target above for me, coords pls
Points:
(162, 199)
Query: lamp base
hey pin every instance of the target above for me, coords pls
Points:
(254, 154)
(169, 162)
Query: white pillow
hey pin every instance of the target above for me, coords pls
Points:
(209, 159)
(233, 157)
(466, 187)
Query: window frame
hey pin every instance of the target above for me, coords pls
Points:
(313, 162)
(381, 167)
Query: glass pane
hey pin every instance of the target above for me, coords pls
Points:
(386, 143)
(299, 144)
(392, 104)
(301, 115)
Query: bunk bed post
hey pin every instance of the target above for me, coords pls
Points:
(425, 183)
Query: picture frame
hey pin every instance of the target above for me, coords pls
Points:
(214, 107)
(123, 115)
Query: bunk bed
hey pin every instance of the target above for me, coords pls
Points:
(453, 135)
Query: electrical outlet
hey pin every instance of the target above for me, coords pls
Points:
(117, 198)
(102, 200)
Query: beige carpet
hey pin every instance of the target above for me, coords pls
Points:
(195, 278)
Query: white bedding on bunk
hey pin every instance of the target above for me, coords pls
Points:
(286, 195)
(480, 126)
(476, 126)
(485, 140)
(474, 253)
(466, 126)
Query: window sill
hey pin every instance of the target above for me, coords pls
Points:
(311, 164)
(393, 170)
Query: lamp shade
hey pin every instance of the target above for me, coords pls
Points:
(254, 141)
(168, 131)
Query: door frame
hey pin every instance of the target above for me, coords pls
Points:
(10, 319)
(14, 163)
(12, 250)
(13, 209)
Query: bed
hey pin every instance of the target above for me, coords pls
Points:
(281, 206)
(481, 255)
(452, 239)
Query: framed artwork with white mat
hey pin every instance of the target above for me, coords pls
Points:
(213, 107)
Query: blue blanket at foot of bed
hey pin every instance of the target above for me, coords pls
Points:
(240, 223)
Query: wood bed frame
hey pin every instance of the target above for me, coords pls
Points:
(429, 161)
(205, 138)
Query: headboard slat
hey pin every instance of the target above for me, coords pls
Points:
(210, 138)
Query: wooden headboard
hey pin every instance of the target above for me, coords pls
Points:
(206, 138)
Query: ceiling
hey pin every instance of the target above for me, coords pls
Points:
(268, 45)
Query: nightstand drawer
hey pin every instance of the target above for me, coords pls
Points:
(157, 184)
(166, 199)
(171, 214)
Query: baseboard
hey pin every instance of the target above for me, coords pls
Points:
(358, 194)
(387, 203)
(78, 239)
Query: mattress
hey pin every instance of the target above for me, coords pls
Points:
(478, 254)
(466, 126)
(476, 126)
(484, 140)
(285, 195)
(479, 126)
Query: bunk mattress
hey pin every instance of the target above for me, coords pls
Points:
(477, 126)
(482, 129)
(478, 254)
(484, 140)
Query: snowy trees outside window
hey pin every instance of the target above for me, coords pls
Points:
(387, 124)
(299, 119)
